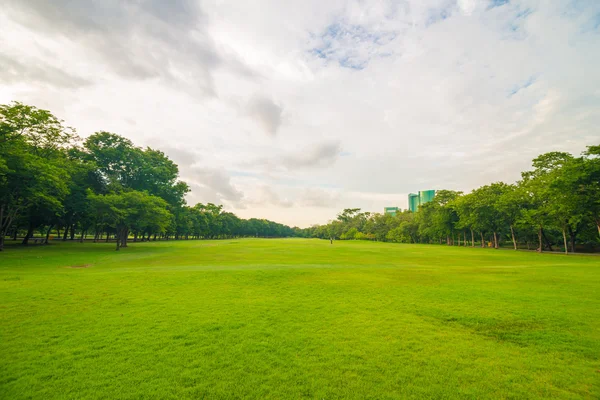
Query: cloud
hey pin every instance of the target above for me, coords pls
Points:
(213, 185)
(360, 101)
(317, 156)
(184, 158)
(266, 113)
(314, 156)
(317, 197)
(267, 196)
(33, 70)
(136, 40)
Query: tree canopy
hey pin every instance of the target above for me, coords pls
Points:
(104, 185)
(111, 189)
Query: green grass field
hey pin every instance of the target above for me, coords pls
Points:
(296, 318)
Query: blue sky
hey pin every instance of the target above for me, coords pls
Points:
(295, 111)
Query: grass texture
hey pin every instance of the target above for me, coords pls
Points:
(296, 318)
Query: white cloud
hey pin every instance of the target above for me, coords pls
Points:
(362, 101)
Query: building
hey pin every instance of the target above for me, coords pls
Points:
(391, 210)
(415, 200)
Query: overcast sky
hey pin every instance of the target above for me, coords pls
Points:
(294, 110)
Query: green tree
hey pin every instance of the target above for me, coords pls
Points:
(132, 210)
(33, 174)
(537, 187)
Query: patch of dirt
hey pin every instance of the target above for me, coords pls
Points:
(80, 266)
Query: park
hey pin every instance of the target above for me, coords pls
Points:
(350, 199)
(297, 318)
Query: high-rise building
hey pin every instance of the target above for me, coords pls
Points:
(415, 200)
(425, 196)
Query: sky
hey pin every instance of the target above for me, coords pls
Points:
(293, 111)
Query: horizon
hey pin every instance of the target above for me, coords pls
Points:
(294, 115)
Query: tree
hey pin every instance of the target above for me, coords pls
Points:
(33, 172)
(538, 190)
(511, 204)
(132, 210)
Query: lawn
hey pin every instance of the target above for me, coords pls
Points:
(295, 318)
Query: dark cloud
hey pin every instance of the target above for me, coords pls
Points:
(32, 70)
(138, 39)
(266, 113)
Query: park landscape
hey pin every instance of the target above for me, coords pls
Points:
(350, 199)
(443, 302)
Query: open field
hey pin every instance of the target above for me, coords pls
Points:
(296, 318)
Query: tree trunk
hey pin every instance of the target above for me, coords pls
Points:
(154, 240)
(96, 237)
(73, 232)
(482, 240)
(495, 240)
(15, 233)
(547, 241)
(2, 228)
(48, 234)
(565, 240)
(512, 233)
(66, 233)
(107, 236)
(124, 237)
(82, 236)
(472, 238)
(541, 244)
(572, 236)
(28, 235)
(118, 241)
(135, 235)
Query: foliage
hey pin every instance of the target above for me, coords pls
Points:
(107, 186)
(554, 205)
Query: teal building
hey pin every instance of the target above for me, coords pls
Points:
(415, 200)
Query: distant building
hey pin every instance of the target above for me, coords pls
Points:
(391, 210)
(415, 200)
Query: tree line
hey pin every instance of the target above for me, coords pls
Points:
(555, 205)
(105, 187)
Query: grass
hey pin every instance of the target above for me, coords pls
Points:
(296, 318)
